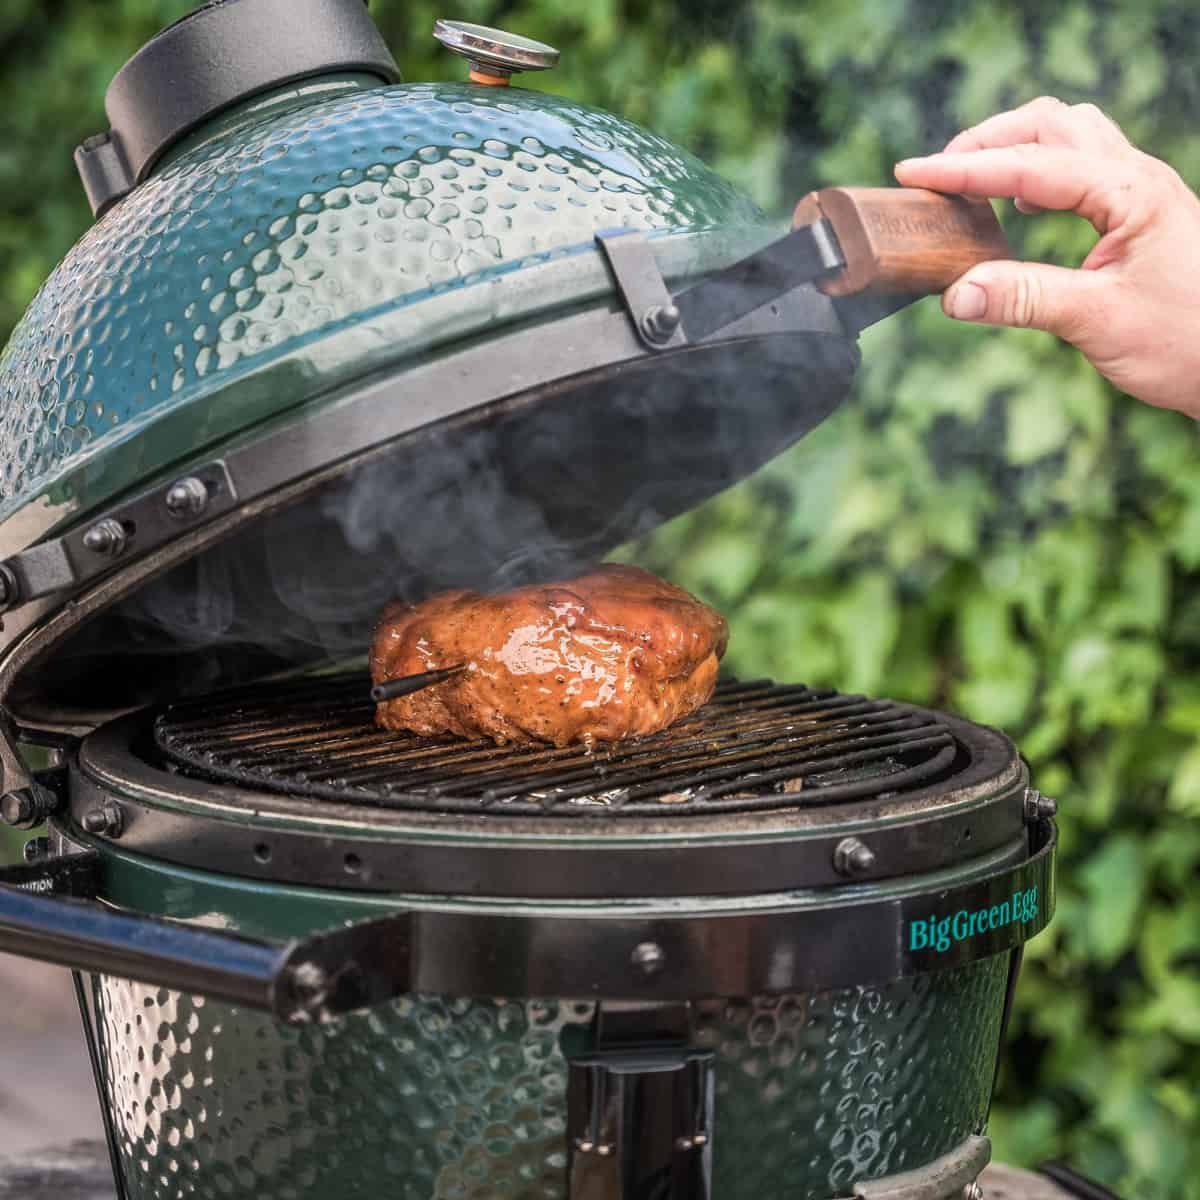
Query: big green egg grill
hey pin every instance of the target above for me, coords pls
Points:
(334, 340)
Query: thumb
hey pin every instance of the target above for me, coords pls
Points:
(1025, 296)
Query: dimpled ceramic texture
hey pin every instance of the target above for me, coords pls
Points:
(430, 1098)
(287, 228)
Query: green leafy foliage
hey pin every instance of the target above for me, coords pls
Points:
(984, 525)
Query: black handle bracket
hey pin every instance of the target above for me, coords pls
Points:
(75, 875)
(648, 301)
(640, 1108)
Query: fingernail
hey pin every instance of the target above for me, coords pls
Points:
(908, 162)
(967, 302)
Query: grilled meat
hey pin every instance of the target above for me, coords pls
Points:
(612, 654)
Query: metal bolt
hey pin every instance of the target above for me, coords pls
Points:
(36, 848)
(27, 808)
(660, 321)
(1038, 807)
(852, 857)
(648, 957)
(187, 498)
(17, 809)
(972, 1192)
(105, 820)
(309, 987)
(108, 538)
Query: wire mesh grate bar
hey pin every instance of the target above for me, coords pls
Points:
(755, 745)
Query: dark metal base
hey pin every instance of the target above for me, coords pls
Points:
(80, 1172)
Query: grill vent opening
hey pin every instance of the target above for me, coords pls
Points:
(756, 745)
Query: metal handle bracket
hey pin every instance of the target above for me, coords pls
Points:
(640, 1109)
(655, 317)
(134, 528)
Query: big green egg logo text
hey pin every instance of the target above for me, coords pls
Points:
(940, 933)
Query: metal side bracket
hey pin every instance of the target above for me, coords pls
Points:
(132, 529)
(76, 874)
(640, 1109)
(655, 317)
(951, 1177)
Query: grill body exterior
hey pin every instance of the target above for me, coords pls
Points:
(437, 1098)
(469, 1090)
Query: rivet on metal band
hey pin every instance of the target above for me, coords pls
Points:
(851, 857)
(105, 820)
(186, 498)
(107, 538)
(1038, 807)
(648, 957)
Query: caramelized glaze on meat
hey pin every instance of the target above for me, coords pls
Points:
(610, 655)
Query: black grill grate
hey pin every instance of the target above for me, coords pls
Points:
(756, 745)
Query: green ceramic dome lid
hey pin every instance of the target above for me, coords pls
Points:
(297, 243)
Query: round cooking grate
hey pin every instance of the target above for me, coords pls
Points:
(756, 745)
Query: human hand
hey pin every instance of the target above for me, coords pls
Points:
(1133, 307)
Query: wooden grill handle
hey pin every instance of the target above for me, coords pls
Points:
(903, 240)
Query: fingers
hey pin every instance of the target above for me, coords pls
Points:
(1042, 176)
(1030, 296)
(1047, 122)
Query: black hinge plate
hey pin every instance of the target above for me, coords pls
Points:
(75, 875)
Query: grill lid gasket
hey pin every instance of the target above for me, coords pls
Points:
(755, 746)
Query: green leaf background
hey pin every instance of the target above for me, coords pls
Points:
(984, 526)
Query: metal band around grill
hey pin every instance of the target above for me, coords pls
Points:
(683, 952)
(836, 944)
(287, 838)
(950, 1177)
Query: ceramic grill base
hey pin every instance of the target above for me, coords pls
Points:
(433, 1098)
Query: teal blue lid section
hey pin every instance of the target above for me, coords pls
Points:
(288, 229)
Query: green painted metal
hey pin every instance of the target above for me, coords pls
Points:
(305, 243)
(442, 1098)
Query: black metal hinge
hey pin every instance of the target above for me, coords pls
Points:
(133, 528)
(75, 875)
(640, 1108)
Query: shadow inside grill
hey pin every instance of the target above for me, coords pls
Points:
(755, 745)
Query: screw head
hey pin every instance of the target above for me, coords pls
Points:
(852, 857)
(309, 985)
(186, 498)
(105, 820)
(27, 808)
(107, 538)
(17, 809)
(660, 321)
(1038, 807)
(36, 848)
(648, 957)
